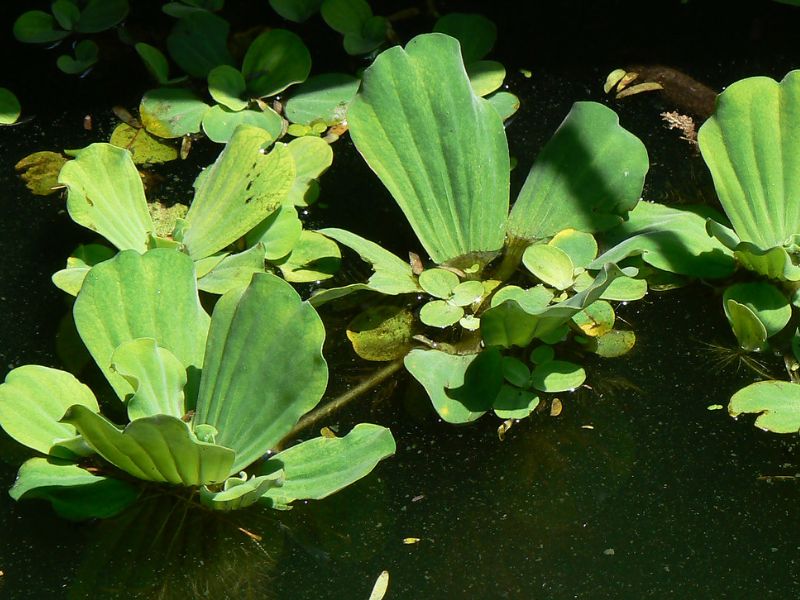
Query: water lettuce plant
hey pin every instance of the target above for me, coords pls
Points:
(441, 151)
(10, 109)
(750, 146)
(203, 400)
(248, 194)
(71, 17)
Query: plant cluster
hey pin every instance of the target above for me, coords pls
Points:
(496, 316)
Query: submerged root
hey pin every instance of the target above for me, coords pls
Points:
(722, 358)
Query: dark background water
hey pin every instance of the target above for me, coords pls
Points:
(662, 498)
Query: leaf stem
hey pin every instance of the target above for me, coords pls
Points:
(511, 258)
(322, 412)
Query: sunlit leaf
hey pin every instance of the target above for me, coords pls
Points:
(314, 258)
(439, 313)
(596, 319)
(264, 367)
(439, 149)
(312, 156)
(235, 270)
(105, 194)
(751, 145)
(767, 302)
(156, 376)
(613, 344)
(515, 403)
(324, 97)
(581, 247)
(144, 148)
(172, 112)
(142, 296)
(227, 86)
(550, 265)
(33, 399)
(557, 376)
(439, 283)
(278, 233)
(505, 103)
(319, 467)
(242, 188)
(777, 404)
(382, 332)
(10, 108)
(40, 171)
(747, 327)
(240, 492)
(158, 448)
(80, 261)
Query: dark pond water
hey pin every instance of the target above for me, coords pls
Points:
(636, 490)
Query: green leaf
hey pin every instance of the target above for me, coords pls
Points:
(774, 263)
(99, 15)
(542, 354)
(439, 313)
(557, 376)
(596, 319)
(105, 194)
(66, 13)
(777, 404)
(439, 283)
(9, 107)
(579, 246)
(392, 275)
(74, 493)
(80, 261)
(242, 188)
(670, 239)
(346, 16)
(198, 43)
(767, 303)
(37, 27)
(312, 156)
(382, 332)
(156, 376)
(86, 52)
(227, 86)
(531, 300)
(439, 149)
(275, 60)
(439, 372)
(549, 264)
(587, 177)
(145, 149)
(142, 296)
(475, 33)
(278, 233)
(220, 123)
(155, 62)
(751, 145)
(486, 76)
(515, 403)
(313, 258)
(510, 324)
(322, 466)
(613, 344)
(160, 448)
(233, 271)
(33, 399)
(372, 34)
(467, 293)
(264, 367)
(172, 112)
(240, 492)
(295, 10)
(747, 327)
(515, 371)
(625, 289)
(505, 103)
(39, 170)
(323, 97)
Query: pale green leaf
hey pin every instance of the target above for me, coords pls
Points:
(769, 304)
(156, 376)
(515, 403)
(505, 103)
(382, 332)
(486, 76)
(105, 194)
(228, 87)
(159, 448)
(322, 97)
(220, 123)
(439, 283)
(233, 271)
(242, 188)
(777, 404)
(314, 258)
(278, 233)
(34, 398)
(9, 107)
(312, 156)
(240, 492)
(557, 376)
(439, 313)
(142, 296)
(549, 264)
(751, 144)
(747, 327)
(581, 247)
(466, 293)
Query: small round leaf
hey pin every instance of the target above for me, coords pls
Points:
(466, 293)
(549, 264)
(227, 86)
(557, 376)
(439, 283)
(439, 313)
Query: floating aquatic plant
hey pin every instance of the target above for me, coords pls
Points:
(206, 398)
(441, 151)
